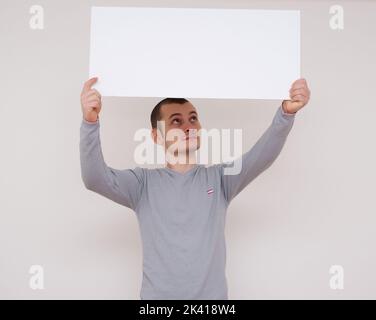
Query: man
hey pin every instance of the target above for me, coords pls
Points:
(181, 208)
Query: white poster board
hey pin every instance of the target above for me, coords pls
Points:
(195, 53)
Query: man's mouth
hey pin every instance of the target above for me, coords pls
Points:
(189, 137)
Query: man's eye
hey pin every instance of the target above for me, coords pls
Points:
(173, 121)
(194, 117)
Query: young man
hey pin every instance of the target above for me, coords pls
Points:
(181, 208)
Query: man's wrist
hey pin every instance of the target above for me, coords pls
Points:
(284, 108)
(90, 122)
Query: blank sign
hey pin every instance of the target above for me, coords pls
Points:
(195, 53)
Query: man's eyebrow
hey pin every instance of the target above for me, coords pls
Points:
(174, 114)
(179, 114)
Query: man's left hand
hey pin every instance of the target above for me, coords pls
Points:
(299, 94)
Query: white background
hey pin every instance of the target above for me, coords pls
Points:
(313, 208)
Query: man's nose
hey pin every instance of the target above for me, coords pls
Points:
(187, 129)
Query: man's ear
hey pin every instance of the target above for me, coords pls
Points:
(153, 135)
(157, 136)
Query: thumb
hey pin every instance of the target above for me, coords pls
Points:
(89, 83)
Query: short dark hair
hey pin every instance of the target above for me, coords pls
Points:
(156, 113)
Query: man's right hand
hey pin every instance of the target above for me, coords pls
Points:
(91, 102)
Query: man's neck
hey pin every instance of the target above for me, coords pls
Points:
(183, 165)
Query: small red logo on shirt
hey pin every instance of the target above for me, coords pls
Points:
(210, 191)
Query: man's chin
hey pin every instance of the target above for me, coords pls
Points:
(192, 148)
(188, 150)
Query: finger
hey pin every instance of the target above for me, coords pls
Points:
(93, 104)
(299, 94)
(88, 84)
(92, 92)
(299, 84)
(97, 92)
(299, 91)
(300, 81)
(303, 91)
(298, 97)
(93, 98)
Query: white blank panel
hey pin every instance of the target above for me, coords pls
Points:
(195, 53)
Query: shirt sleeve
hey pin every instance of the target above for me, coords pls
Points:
(122, 186)
(259, 157)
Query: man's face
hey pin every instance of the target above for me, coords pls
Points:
(181, 127)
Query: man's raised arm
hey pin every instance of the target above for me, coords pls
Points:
(121, 186)
(269, 145)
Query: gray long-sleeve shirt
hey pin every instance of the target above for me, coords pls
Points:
(181, 215)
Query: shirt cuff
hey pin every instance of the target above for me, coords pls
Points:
(285, 113)
(89, 122)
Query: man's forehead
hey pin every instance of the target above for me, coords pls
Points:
(171, 108)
